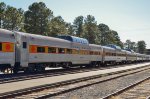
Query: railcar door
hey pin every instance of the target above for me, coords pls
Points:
(24, 51)
(103, 55)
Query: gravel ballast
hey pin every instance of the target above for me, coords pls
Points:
(100, 90)
(141, 91)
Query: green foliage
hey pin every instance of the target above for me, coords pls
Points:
(116, 39)
(141, 45)
(57, 26)
(107, 36)
(104, 34)
(130, 45)
(90, 29)
(70, 29)
(2, 11)
(37, 18)
(78, 26)
(10, 17)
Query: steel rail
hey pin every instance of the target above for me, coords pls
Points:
(126, 88)
(48, 86)
(50, 73)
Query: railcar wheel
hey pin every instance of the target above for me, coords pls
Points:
(99, 64)
(30, 69)
(93, 64)
(40, 68)
(66, 65)
(15, 70)
(103, 64)
(6, 71)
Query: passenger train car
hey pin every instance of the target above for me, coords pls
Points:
(30, 52)
(7, 49)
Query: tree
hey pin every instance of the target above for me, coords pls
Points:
(130, 45)
(107, 36)
(141, 45)
(13, 18)
(116, 39)
(103, 34)
(57, 27)
(78, 25)
(2, 10)
(90, 29)
(70, 29)
(127, 44)
(37, 18)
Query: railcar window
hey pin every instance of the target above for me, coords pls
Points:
(111, 54)
(74, 51)
(24, 44)
(91, 52)
(0, 46)
(61, 50)
(69, 51)
(81, 52)
(41, 49)
(99, 53)
(107, 54)
(84, 52)
(87, 52)
(51, 50)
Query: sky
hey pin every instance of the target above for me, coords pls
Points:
(130, 18)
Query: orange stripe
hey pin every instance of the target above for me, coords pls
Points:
(7, 47)
(33, 49)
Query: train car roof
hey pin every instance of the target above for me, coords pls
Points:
(138, 54)
(95, 45)
(74, 39)
(110, 48)
(123, 50)
(42, 37)
(7, 35)
(129, 50)
(114, 46)
(5, 32)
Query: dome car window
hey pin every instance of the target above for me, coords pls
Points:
(69, 51)
(61, 50)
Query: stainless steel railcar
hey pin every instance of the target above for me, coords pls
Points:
(7, 49)
(109, 55)
(35, 52)
(31, 52)
(95, 55)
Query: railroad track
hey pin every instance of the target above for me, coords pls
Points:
(110, 96)
(137, 90)
(46, 91)
(49, 73)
